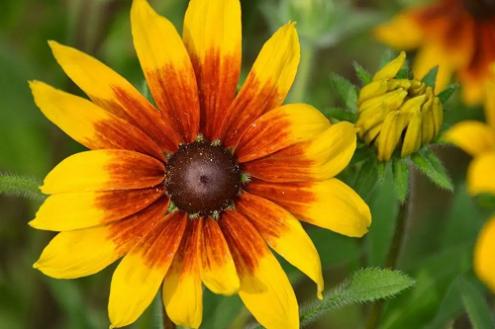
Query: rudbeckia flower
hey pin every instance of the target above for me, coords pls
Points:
(397, 113)
(457, 35)
(478, 139)
(195, 190)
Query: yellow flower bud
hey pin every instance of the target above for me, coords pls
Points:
(396, 113)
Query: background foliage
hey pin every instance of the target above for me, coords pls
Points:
(441, 230)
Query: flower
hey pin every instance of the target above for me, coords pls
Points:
(397, 113)
(195, 190)
(478, 139)
(457, 35)
(484, 254)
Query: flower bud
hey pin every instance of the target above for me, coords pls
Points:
(397, 113)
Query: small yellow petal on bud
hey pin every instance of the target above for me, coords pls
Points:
(391, 69)
(398, 114)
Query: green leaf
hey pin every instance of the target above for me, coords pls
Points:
(367, 177)
(25, 187)
(404, 72)
(339, 114)
(449, 308)
(431, 77)
(400, 170)
(384, 210)
(476, 306)
(346, 91)
(366, 285)
(429, 164)
(445, 94)
(363, 75)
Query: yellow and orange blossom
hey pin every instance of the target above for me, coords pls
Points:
(198, 190)
(456, 35)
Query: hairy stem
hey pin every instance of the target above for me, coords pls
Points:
(393, 256)
(25, 187)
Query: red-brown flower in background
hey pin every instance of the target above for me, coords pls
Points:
(194, 191)
(457, 35)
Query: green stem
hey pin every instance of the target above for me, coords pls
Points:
(298, 93)
(391, 260)
(26, 187)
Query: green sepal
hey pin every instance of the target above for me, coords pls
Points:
(400, 169)
(404, 72)
(430, 165)
(445, 94)
(345, 90)
(430, 78)
(367, 177)
(363, 75)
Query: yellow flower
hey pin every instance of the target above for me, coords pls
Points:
(196, 190)
(397, 113)
(478, 139)
(457, 35)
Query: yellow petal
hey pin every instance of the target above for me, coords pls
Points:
(104, 170)
(113, 93)
(268, 295)
(280, 128)
(391, 69)
(373, 112)
(412, 139)
(167, 68)
(402, 32)
(381, 87)
(182, 290)
(265, 289)
(473, 137)
(472, 89)
(481, 178)
(79, 253)
(266, 85)
(212, 35)
(390, 134)
(70, 211)
(89, 124)
(139, 275)
(284, 234)
(217, 266)
(429, 56)
(319, 159)
(329, 204)
(484, 255)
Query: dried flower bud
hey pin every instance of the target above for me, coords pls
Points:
(396, 113)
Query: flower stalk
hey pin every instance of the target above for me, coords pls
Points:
(14, 185)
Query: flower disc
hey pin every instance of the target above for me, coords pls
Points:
(202, 178)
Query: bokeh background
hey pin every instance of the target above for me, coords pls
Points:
(442, 225)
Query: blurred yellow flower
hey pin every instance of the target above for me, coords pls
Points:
(457, 35)
(484, 254)
(478, 139)
(397, 113)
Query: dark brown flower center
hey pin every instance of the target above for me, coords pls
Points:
(481, 9)
(202, 178)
